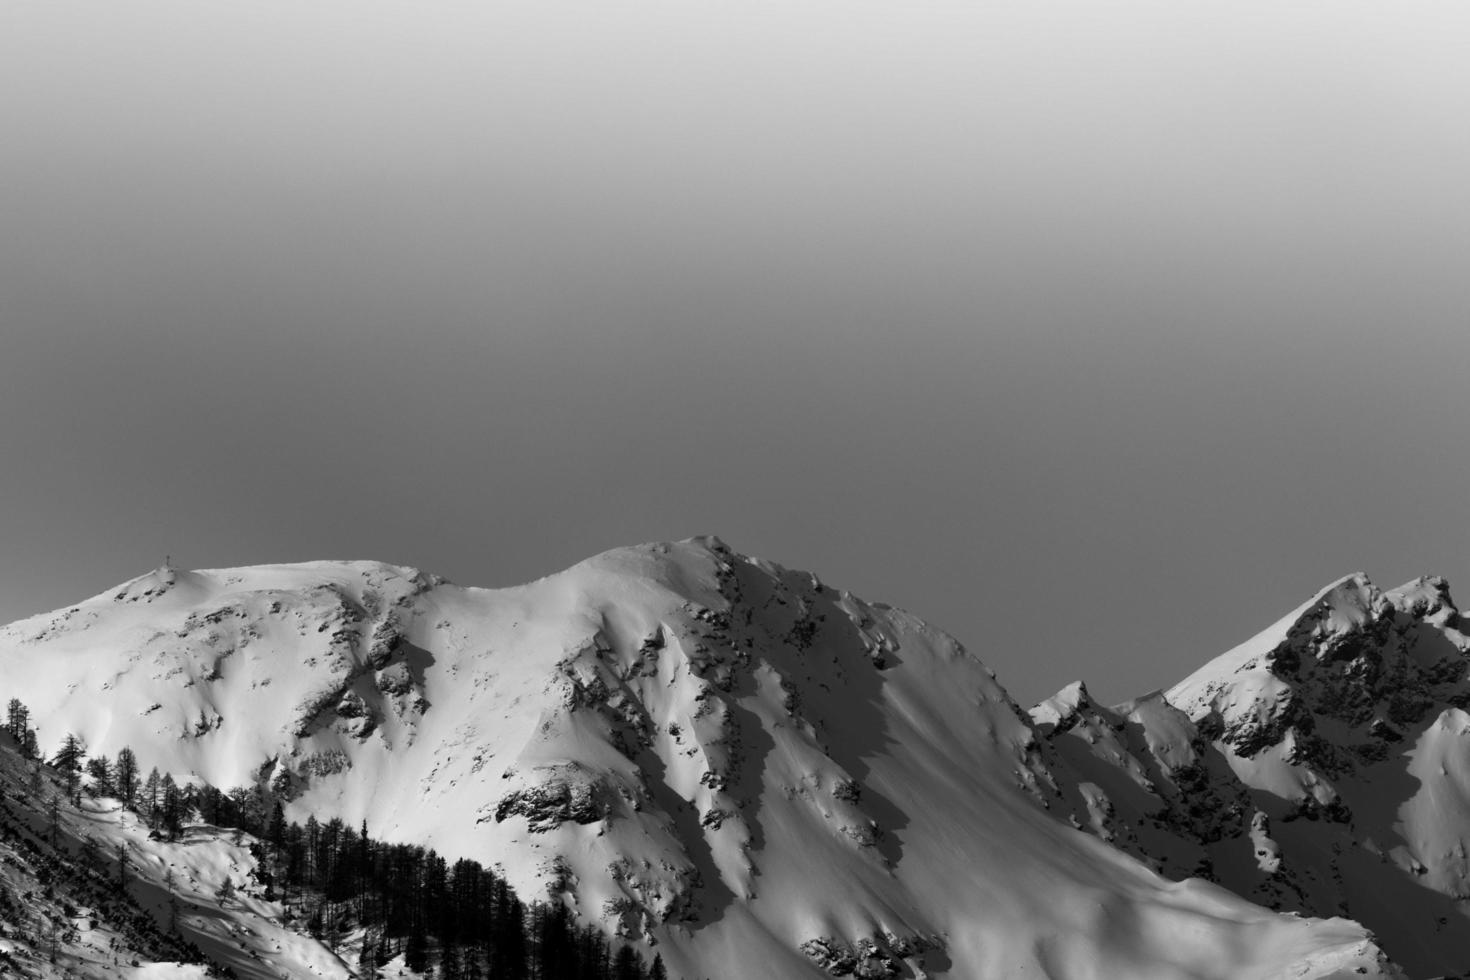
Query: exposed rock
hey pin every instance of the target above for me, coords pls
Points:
(565, 793)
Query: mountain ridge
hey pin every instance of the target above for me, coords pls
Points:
(1331, 741)
(694, 748)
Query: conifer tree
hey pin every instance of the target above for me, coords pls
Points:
(416, 953)
(99, 769)
(312, 843)
(150, 798)
(53, 814)
(275, 828)
(451, 964)
(512, 959)
(172, 806)
(626, 965)
(69, 760)
(367, 957)
(125, 775)
(173, 902)
(17, 719)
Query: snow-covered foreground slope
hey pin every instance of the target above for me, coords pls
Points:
(761, 774)
(86, 893)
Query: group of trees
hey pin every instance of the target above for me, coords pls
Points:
(157, 798)
(18, 724)
(461, 919)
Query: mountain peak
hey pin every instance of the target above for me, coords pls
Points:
(1364, 665)
(1425, 597)
(1061, 710)
(1343, 606)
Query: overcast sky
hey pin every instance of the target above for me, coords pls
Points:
(1099, 334)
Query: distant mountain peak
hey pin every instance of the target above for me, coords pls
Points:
(1062, 708)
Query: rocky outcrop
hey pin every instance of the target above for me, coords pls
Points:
(559, 794)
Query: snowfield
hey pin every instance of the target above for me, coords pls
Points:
(761, 775)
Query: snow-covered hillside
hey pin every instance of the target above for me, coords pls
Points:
(86, 893)
(761, 774)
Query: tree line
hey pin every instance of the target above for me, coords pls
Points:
(454, 921)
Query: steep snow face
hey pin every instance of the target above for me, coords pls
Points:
(759, 773)
(1321, 767)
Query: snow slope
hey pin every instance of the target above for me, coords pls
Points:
(761, 774)
(63, 913)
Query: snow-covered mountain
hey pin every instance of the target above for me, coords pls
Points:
(767, 776)
(1322, 766)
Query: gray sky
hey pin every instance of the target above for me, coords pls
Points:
(1098, 334)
